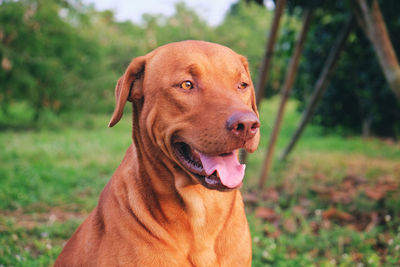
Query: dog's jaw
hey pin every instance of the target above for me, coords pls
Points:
(198, 165)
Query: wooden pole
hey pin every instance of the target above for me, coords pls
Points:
(371, 21)
(322, 82)
(285, 92)
(266, 61)
(269, 50)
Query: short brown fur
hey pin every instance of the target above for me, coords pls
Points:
(153, 212)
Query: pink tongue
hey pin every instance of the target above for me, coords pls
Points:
(230, 171)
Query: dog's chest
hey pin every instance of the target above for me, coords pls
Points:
(222, 239)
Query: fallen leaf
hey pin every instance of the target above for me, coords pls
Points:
(250, 198)
(292, 254)
(379, 191)
(290, 225)
(323, 190)
(371, 241)
(320, 176)
(385, 237)
(354, 227)
(326, 224)
(266, 214)
(374, 221)
(354, 180)
(314, 227)
(304, 202)
(387, 187)
(356, 256)
(300, 211)
(374, 193)
(388, 141)
(388, 178)
(272, 231)
(275, 234)
(6, 64)
(270, 194)
(313, 253)
(335, 214)
(341, 197)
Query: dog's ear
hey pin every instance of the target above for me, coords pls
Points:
(253, 102)
(129, 87)
(253, 95)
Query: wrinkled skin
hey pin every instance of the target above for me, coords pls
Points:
(155, 211)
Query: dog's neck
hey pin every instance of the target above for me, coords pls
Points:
(169, 207)
(165, 200)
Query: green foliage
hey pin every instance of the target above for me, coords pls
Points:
(235, 32)
(62, 55)
(44, 56)
(251, 27)
(358, 95)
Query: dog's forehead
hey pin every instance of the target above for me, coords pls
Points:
(196, 47)
(203, 55)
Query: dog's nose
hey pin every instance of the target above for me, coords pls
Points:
(243, 124)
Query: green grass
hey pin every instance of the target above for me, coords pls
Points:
(51, 177)
(71, 163)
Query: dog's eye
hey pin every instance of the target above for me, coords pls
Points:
(243, 85)
(187, 85)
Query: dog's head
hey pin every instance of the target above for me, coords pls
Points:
(195, 102)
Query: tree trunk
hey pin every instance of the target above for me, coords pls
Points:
(373, 25)
(322, 83)
(285, 92)
(366, 127)
(266, 61)
(269, 50)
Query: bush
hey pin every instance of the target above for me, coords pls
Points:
(358, 98)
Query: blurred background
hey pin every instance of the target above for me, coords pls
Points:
(334, 201)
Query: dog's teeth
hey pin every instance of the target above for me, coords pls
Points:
(211, 181)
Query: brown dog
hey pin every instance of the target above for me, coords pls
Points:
(173, 201)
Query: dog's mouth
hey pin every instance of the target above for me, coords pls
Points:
(222, 172)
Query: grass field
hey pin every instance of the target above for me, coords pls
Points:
(335, 202)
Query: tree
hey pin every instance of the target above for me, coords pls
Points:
(373, 25)
(358, 96)
(43, 54)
